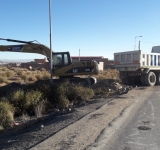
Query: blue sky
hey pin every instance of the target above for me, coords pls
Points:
(96, 27)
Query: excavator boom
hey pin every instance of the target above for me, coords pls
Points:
(28, 47)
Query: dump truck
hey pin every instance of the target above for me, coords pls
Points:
(137, 65)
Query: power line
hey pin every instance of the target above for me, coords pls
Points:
(86, 21)
(107, 49)
(150, 42)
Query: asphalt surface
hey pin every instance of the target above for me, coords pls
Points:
(142, 130)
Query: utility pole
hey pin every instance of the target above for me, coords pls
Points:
(139, 45)
(135, 42)
(50, 22)
(79, 54)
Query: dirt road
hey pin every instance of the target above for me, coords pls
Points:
(87, 127)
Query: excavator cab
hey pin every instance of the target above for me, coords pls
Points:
(61, 59)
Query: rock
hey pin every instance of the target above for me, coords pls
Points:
(82, 103)
(69, 109)
(16, 124)
(122, 92)
(115, 86)
(42, 126)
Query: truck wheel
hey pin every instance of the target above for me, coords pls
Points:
(158, 78)
(150, 79)
(143, 79)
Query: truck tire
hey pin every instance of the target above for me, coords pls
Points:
(143, 79)
(150, 79)
(158, 78)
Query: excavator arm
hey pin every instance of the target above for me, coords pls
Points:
(27, 47)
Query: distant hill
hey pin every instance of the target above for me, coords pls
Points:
(16, 60)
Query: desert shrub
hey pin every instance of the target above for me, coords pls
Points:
(44, 91)
(2, 74)
(46, 76)
(17, 71)
(43, 76)
(108, 74)
(24, 69)
(32, 98)
(33, 101)
(101, 90)
(47, 106)
(26, 101)
(58, 94)
(43, 87)
(34, 72)
(42, 107)
(24, 77)
(20, 72)
(71, 92)
(38, 109)
(84, 92)
(4, 69)
(3, 79)
(39, 77)
(29, 73)
(17, 100)
(9, 74)
(1, 128)
(6, 114)
(38, 72)
(63, 101)
(13, 68)
(62, 88)
(31, 78)
(98, 91)
(43, 69)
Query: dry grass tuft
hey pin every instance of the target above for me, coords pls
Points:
(3, 79)
(9, 74)
(108, 74)
(6, 114)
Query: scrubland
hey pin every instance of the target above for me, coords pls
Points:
(28, 93)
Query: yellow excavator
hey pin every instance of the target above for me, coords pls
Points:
(62, 64)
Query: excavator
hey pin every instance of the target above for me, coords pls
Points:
(62, 65)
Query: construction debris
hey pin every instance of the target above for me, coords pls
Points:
(120, 89)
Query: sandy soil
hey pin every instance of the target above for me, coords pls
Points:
(77, 129)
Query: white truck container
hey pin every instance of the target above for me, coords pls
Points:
(138, 65)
